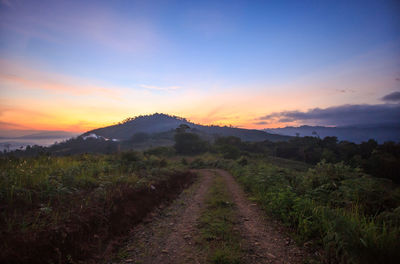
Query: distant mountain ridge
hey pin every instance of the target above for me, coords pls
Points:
(36, 134)
(355, 134)
(16, 140)
(160, 123)
(48, 135)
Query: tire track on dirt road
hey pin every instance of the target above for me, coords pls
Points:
(263, 241)
(168, 237)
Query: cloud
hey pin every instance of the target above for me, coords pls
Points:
(159, 88)
(55, 86)
(81, 125)
(345, 90)
(345, 115)
(261, 123)
(6, 2)
(28, 77)
(393, 97)
(4, 110)
(70, 22)
(10, 125)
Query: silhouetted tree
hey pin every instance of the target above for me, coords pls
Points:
(182, 128)
(188, 143)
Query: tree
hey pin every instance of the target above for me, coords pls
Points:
(189, 143)
(366, 148)
(230, 140)
(314, 133)
(229, 146)
(182, 128)
(230, 151)
(7, 146)
(330, 142)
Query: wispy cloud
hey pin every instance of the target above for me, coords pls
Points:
(71, 22)
(6, 2)
(4, 110)
(345, 90)
(160, 88)
(261, 123)
(28, 78)
(10, 125)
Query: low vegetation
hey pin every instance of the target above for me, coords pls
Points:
(67, 208)
(216, 225)
(337, 205)
(382, 161)
(353, 216)
(339, 196)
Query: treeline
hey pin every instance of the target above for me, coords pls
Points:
(381, 161)
(79, 145)
(159, 115)
(378, 160)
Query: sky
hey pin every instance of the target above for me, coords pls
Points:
(79, 65)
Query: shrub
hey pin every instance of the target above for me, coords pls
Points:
(355, 217)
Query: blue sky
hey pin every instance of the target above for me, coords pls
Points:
(212, 61)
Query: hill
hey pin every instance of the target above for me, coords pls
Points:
(162, 123)
(144, 132)
(355, 134)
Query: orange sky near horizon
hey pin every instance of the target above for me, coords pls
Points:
(35, 98)
(76, 66)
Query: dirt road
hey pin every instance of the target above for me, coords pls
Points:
(169, 234)
(264, 239)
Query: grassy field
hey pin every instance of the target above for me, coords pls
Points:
(63, 201)
(353, 216)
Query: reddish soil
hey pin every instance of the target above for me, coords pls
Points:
(91, 231)
(167, 236)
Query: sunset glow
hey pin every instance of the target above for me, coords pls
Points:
(76, 65)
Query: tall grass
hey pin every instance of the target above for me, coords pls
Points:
(37, 190)
(353, 216)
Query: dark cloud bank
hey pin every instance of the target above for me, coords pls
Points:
(355, 123)
(345, 115)
(392, 97)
